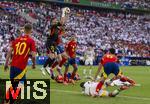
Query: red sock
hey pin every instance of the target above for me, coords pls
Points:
(65, 77)
(54, 64)
(99, 86)
(62, 62)
(72, 76)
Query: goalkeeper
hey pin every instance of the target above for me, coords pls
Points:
(53, 43)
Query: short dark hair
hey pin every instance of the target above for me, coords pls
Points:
(18, 32)
(82, 84)
(27, 27)
(112, 50)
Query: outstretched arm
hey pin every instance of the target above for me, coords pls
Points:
(64, 16)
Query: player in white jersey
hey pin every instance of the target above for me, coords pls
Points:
(89, 88)
(89, 56)
(89, 59)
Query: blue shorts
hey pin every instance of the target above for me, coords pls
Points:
(60, 49)
(111, 68)
(69, 76)
(71, 61)
(14, 72)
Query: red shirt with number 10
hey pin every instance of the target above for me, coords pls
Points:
(22, 47)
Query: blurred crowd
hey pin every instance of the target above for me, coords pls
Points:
(129, 34)
(145, 4)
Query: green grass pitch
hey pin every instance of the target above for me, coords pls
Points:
(71, 94)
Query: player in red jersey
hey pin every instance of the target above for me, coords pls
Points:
(70, 49)
(21, 48)
(110, 63)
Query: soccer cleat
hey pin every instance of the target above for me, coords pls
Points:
(48, 71)
(47, 68)
(53, 76)
(43, 71)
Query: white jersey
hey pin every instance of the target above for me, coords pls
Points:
(89, 57)
(90, 54)
(90, 89)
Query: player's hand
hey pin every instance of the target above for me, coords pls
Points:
(65, 11)
(5, 68)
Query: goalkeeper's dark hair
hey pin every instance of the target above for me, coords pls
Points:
(112, 50)
(82, 84)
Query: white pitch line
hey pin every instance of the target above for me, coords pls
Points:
(121, 96)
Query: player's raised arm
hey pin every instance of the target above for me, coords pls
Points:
(64, 16)
(8, 57)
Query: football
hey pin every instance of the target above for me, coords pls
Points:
(67, 10)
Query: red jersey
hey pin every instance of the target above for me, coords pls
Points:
(56, 33)
(59, 39)
(108, 58)
(22, 46)
(71, 48)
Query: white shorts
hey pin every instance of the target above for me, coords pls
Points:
(89, 61)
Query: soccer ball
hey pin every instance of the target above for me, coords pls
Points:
(67, 10)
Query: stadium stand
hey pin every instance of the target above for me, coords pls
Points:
(128, 33)
(145, 4)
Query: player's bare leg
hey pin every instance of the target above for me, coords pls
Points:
(75, 68)
(65, 75)
(132, 82)
(52, 56)
(57, 61)
(123, 79)
(47, 65)
(114, 93)
(52, 69)
(59, 67)
(44, 67)
(59, 57)
(117, 91)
